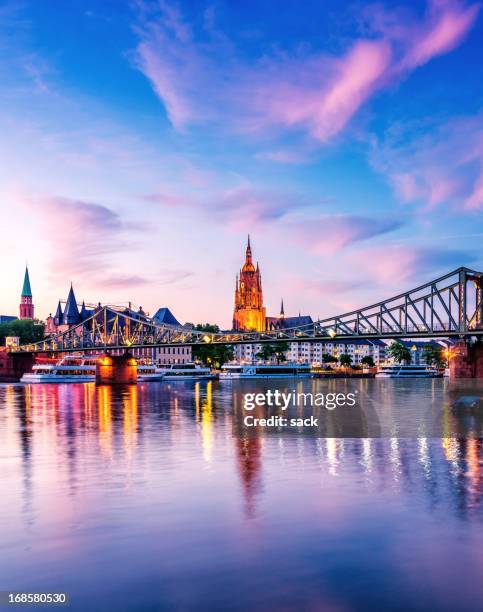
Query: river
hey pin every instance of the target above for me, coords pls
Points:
(142, 498)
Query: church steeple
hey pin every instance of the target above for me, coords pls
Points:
(282, 311)
(26, 290)
(26, 305)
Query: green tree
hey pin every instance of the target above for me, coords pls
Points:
(399, 352)
(26, 329)
(212, 355)
(368, 361)
(433, 355)
(274, 349)
(345, 360)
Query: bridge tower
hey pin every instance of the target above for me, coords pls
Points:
(26, 305)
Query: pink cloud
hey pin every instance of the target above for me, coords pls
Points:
(327, 234)
(446, 27)
(82, 237)
(393, 265)
(444, 166)
(316, 93)
(323, 104)
(241, 207)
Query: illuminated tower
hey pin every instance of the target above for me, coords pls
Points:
(249, 313)
(26, 305)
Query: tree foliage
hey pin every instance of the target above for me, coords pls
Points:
(26, 329)
(212, 355)
(327, 358)
(345, 360)
(368, 361)
(274, 349)
(399, 352)
(433, 355)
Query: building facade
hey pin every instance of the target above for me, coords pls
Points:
(313, 352)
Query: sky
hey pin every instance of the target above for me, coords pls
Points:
(140, 142)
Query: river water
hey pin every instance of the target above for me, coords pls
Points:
(141, 498)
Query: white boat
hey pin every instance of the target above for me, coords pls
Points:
(149, 372)
(73, 368)
(407, 371)
(285, 370)
(184, 371)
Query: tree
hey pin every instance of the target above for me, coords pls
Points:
(212, 355)
(368, 361)
(345, 360)
(26, 329)
(433, 355)
(399, 352)
(273, 349)
(326, 358)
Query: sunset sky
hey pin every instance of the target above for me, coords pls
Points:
(141, 141)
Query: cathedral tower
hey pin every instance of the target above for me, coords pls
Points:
(26, 305)
(249, 313)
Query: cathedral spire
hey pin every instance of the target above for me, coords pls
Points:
(282, 311)
(248, 257)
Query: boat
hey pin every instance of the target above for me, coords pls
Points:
(184, 371)
(407, 371)
(149, 372)
(74, 368)
(285, 370)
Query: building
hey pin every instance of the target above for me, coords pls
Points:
(249, 312)
(170, 354)
(313, 352)
(249, 315)
(69, 316)
(26, 303)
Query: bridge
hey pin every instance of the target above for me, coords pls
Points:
(450, 305)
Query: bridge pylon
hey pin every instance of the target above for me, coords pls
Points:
(116, 369)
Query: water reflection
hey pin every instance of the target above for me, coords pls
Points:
(91, 467)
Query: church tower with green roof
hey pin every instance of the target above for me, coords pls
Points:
(26, 305)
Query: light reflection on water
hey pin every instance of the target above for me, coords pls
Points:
(140, 498)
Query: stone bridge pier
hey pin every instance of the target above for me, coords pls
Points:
(466, 360)
(14, 365)
(116, 369)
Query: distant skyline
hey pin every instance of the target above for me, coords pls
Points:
(142, 141)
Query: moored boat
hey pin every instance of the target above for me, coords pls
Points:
(285, 370)
(184, 371)
(73, 368)
(407, 371)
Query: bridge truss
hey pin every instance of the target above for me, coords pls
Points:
(451, 305)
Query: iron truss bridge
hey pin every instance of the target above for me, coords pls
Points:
(448, 306)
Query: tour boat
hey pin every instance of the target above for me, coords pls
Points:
(184, 371)
(149, 372)
(73, 368)
(285, 370)
(407, 371)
